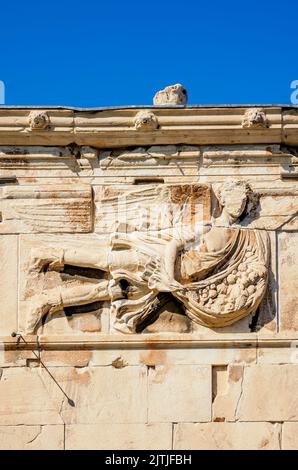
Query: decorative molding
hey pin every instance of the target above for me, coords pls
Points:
(257, 155)
(113, 128)
(146, 341)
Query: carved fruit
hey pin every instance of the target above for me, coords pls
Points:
(242, 267)
(231, 279)
(251, 290)
(212, 293)
(222, 288)
(253, 276)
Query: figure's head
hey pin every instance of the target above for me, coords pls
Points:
(232, 196)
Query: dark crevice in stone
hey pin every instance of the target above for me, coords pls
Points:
(87, 308)
(124, 286)
(164, 300)
(161, 300)
(90, 273)
(254, 324)
(139, 181)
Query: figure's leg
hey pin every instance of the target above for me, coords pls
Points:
(93, 255)
(97, 254)
(84, 294)
(54, 300)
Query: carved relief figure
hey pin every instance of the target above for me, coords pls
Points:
(228, 272)
(217, 270)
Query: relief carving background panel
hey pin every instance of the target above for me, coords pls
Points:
(111, 212)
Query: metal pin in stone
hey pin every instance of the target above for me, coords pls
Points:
(14, 334)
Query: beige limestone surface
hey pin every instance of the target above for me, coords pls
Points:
(149, 277)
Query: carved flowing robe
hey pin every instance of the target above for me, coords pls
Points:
(231, 281)
(234, 284)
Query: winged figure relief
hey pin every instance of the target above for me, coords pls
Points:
(214, 266)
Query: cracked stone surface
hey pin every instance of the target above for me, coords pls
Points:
(227, 436)
(168, 400)
(32, 403)
(269, 393)
(226, 401)
(32, 437)
(100, 394)
(119, 436)
(290, 436)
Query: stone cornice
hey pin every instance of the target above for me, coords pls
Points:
(147, 341)
(120, 127)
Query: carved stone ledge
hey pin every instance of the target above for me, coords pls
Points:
(179, 341)
(113, 128)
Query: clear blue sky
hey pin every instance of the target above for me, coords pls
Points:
(107, 53)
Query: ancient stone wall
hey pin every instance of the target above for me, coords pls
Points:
(149, 277)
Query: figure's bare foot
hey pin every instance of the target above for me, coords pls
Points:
(36, 314)
(41, 305)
